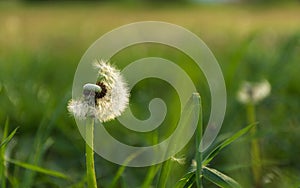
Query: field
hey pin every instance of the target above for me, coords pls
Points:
(41, 45)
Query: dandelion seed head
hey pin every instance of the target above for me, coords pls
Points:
(106, 99)
(116, 98)
(79, 108)
(253, 92)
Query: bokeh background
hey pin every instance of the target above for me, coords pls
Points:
(41, 43)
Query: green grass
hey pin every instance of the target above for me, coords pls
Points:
(41, 45)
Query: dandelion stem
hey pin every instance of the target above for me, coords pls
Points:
(255, 148)
(198, 141)
(90, 165)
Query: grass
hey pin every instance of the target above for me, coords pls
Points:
(40, 46)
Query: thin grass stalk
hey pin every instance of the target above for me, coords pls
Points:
(150, 176)
(153, 169)
(198, 151)
(123, 167)
(2, 156)
(164, 174)
(189, 116)
(89, 146)
(43, 132)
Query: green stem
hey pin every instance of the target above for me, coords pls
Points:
(189, 114)
(164, 174)
(90, 164)
(2, 167)
(154, 168)
(150, 176)
(255, 148)
(123, 167)
(198, 152)
(2, 155)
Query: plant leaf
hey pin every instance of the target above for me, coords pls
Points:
(37, 169)
(41, 136)
(189, 117)
(198, 156)
(187, 180)
(8, 139)
(3, 167)
(123, 167)
(219, 178)
(225, 143)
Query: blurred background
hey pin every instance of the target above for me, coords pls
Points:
(41, 43)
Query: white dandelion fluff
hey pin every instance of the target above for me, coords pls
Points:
(106, 99)
(194, 164)
(180, 161)
(253, 92)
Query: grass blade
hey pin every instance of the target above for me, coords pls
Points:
(225, 143)
(42, 135)
(187, 180)
(164, 174)
(219, 178)
(152, 169)
(150, 176)
(123, 167)
(189, 114)
(8, 139)
(198, 140)
(2, 155)
(38, 169)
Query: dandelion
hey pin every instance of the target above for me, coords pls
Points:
(250, 94)
(104, 100)
(253, 92)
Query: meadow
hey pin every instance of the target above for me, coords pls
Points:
(41, 45)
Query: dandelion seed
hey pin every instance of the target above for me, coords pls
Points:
(180, 161)
(253, 92)
(106, 99)
(194, 164)
(269, 178)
